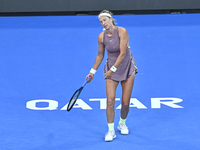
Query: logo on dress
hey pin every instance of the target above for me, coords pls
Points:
(111, 40)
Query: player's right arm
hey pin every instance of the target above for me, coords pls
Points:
(101, 51)
(100, 55)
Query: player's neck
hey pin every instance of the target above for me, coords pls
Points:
(111, 30)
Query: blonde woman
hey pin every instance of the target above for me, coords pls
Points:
(120, 67)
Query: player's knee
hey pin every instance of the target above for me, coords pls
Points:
(125, 106)
(110, 103)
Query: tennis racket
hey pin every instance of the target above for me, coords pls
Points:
(76, 95)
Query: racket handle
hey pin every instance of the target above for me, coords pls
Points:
(89, 77)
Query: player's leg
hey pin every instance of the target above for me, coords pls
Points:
(110, 110)
(127, 87)
(110, 92)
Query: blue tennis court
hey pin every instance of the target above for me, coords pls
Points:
(44, 59)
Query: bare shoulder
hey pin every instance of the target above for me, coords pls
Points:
(100, 37)
(122, 31)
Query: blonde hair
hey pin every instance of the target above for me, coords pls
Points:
(106, 11)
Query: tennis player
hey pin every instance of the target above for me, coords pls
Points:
(120, 67)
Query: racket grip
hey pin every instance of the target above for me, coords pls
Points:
(89, 77)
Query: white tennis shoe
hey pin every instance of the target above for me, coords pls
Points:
(110, 135)
(123, 128)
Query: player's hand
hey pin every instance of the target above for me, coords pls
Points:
(108, 74)
(91, 76)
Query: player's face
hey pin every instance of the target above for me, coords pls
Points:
(105, 22)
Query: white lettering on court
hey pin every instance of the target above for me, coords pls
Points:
(103, 102)
(135, 103)
(53, 104)
(156, 102)
(79, 104)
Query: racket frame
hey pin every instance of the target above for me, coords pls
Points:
(79, 90)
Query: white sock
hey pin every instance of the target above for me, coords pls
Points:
(111, 126)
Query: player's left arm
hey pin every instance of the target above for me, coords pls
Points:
(123, 35)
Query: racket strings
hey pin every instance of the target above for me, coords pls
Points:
(74, 98)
